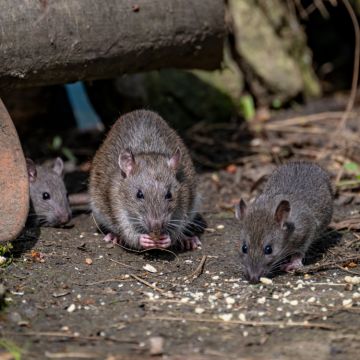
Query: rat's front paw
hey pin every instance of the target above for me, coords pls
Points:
(191, 243)
(111, 238)
(294, 264)
(146, 241)
(163, 242)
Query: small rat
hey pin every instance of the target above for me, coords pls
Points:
(49, 205)
(143, 185)
(278, 228)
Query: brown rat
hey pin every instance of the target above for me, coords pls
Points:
(143, 185)
(49, 205)
(278, 228)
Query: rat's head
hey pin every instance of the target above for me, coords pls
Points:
(151, 190)
(264, 238)
(48, 194)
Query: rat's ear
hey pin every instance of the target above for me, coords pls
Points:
(126, 163)
(240, 209)
(31, 169)
(58, 166)
(282, 212)
(175, 160)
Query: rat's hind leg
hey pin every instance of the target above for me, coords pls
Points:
(191, 243)
(294, 263)
(111, 238)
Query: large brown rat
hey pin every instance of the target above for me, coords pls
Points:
(49, 204)
(143, 185)
(278, 228)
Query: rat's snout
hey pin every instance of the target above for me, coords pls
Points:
(155, 225)
(64, 217)
(254, 275)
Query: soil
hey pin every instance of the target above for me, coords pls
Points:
(70, 295)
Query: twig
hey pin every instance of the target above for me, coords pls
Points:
(347, 270)
(69, 336)
(355, 77)
(303, 120)
(281, 324)
(326, 265)
(154, 287)
(126, 265)
(199, 270)
(103, 281)
(71, 355)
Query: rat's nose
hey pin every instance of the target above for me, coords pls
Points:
(155, 225)
(64, 218)
(254, 279)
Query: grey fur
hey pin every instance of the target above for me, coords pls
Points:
(152, 144)
(306, 189)
(54, 211)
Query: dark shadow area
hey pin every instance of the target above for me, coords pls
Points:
(316, 252)
(25, 241)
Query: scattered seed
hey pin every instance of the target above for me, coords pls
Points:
(347, 303)
(225, 317)
(355, 280)
(88, 261)
(261, 300)
(199, 310)
(71, 308)
(266, 281)
(149, 268)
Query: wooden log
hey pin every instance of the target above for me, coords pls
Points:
(47, 42)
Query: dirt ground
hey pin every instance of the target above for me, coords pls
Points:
(70, 295)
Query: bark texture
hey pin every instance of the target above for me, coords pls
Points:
(46, 41)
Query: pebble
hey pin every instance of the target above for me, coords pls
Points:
(88, 261)
(156, 345)
(294, 302)
(261, 300)
(199, 310)
(311, 300)
(242, 317)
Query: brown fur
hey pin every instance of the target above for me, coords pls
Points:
(113, 196)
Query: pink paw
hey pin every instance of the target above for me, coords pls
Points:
(111, 238)
(146, 241)
(192, 243)
(164, 241)
(294, 264)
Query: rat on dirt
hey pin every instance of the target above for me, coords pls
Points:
(49, 205)
(279, 227)
(143, 185)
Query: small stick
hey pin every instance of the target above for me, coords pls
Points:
(126, 265)
(69, 336)
(103, 281)
(326, 265)
(154, 287)
(280, 324)
(347, 270)
(199, 270)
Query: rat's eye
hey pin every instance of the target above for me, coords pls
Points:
(244, 249)
(268, 250)
(140, 194)
(45, 196)
(168, 195)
